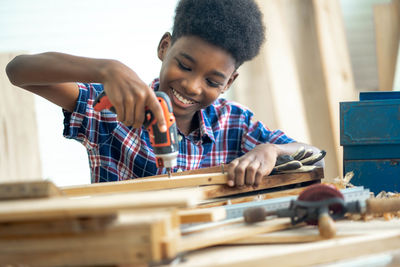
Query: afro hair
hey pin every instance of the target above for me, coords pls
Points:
(233, 25)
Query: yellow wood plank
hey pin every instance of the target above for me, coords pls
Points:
(28, 189)
(147, 184)
(202, 215)
(19, 146)
(266, 183)
(230, 233)
(62, 207)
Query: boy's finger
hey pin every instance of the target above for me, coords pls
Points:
(251, 171)
(155, 107)
(231, 172)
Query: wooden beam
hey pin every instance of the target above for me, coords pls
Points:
(149, 183)
(387, 31)
(231, 233)
(235, 200)
(132, 238)
(62, 207)
(28, 189)
(202, 215)
(272, 181)
(19, 146)
(162, 182)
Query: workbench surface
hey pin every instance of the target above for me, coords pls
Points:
(354, 239)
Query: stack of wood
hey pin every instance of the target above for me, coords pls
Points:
(129, 222)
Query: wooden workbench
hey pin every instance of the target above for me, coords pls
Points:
(354, 239)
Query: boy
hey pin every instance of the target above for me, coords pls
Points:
(209, 41)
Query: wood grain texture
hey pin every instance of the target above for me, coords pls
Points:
(356, 239)
(63, 207)
(267, 182)
(28, 189)
(387, 33)
(19, 146)
(149, 183)
(131, 238)
(202, 215)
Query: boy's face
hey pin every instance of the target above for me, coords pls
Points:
(193, 73)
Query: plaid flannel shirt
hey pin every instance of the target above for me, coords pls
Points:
(118, 152)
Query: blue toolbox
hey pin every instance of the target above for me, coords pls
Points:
(370, 136)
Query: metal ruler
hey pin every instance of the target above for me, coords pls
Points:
(236, 210)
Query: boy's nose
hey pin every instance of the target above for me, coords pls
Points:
(192, 86)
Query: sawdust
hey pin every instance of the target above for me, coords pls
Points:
(387, 216)
(338, 182)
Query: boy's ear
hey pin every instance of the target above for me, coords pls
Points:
(231, 80)
(163, 46)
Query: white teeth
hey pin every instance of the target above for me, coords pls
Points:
(181, 98)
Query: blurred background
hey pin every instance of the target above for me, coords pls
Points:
(318, 53)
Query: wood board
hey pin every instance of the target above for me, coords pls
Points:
(28, 189)
(218, 180)
(63, 207)
(272, 181)
(370, 237)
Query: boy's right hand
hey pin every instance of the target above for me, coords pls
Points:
(130, 96)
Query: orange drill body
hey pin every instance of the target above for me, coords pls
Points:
(165, 144)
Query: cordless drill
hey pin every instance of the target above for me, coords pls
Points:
(165, 144)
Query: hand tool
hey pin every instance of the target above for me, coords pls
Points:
(165, 144)
(321, 204)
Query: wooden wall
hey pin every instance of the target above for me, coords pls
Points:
(301, 75)
(19, 149)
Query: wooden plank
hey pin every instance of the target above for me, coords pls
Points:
(28, 189)
(235, 200)
(230, 233)
(336, 67)
(62, 207)
(268, 182)
(387, 31)
(163, 182)
(382, 237)
(202, 215)
(19, 147)
(153, 183)
(137, 235)
(59, 226)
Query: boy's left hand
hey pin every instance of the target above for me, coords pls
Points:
(253, 166)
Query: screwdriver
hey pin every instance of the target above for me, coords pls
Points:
(165, 144)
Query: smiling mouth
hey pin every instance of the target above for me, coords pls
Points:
(182, 98)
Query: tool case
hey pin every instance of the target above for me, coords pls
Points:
(370, 136)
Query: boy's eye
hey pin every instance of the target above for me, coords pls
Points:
(212, 83)
(183, 67)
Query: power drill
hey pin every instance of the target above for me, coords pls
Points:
(165, 144)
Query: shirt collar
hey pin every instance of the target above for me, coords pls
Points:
(205, 125)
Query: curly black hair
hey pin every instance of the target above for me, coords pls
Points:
(233, 25)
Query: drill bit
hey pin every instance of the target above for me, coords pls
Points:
(169, 172)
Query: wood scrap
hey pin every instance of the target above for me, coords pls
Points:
(62, 207)
(202, 215)
(160, 182)
(57, 226)
(387, 32)
(28, 189)
(230, 233)
(365, 239)
(267, 182)
(133, 238)
(150, 183)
